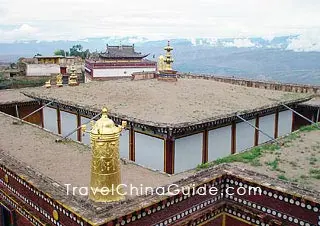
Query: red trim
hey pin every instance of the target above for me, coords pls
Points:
(276, 124)
(132, 154)
(233, 137)
(205, 146)
(256, 132)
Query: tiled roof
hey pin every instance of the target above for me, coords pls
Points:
(122, 51)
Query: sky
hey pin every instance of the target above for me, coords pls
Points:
(80, 19)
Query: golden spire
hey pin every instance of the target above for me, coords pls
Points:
(73, 79)
(48, 84)
(59, 80)
(168, 57)
(161, 65)
(105, 164)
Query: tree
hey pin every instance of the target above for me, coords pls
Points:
(60, 52)
(77, 50)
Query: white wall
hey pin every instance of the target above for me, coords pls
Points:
(245, 135)
(188, 152)
(124, 144)
(50, 119)
(68, 124)
(113, 72)
(266, 124)
(285, 123)
(42, 69)
(86, 137)
(149, 151)
(219, 143)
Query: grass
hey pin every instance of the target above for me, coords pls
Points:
(274, 164)
(253, 155)
(282, 177)
(315, 173)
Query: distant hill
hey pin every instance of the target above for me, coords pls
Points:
(255, 58)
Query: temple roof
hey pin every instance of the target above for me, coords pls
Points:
(9, 96)
(122, 51)
(150, 102)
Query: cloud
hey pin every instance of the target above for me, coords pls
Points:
(310, 41)
(239, 43)
(24, 32)
(80, 19)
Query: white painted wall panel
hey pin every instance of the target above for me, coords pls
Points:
(68, 124)
(245, 135)
(188, 152)
(50, 119)
(285, 123)
(124, 144)
(149, 151)
(86, 137)
(266, 124)
(219, 143)
(42, 69)
(111, 72)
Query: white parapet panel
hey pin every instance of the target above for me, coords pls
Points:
(118, 72)
(285, 123)
(124, 144)
(219, 143)
(68, 124)
(149, 151)
(245, 135)
(188, 152)
(50, 119)
(42, 69)
(266, 124)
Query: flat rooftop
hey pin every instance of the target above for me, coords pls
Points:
(153, 102)
(65, 162)
(297, 160)
(9, 96)
(33, 154)
(314, 102)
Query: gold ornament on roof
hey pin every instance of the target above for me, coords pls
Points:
(48, 84)
(59, 80)
(168, 57)
(161, 64)
(105, 165)
(73, 78)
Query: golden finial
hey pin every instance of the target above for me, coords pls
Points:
(73, 79)
(105, 165)
(59, 80)
(48, 84)
(161, 65)
(168, 58)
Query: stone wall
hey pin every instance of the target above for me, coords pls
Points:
(272, 85)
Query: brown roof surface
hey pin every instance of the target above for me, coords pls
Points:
(315, 102)
(296, 161)
(66, 162)
(152, 102)
(9, 96)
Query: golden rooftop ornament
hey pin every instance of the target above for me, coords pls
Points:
(105, 165)
(48, 84)
(168, 58)
(73, 79)
(59, 80)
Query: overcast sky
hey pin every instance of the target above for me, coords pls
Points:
(78, 19)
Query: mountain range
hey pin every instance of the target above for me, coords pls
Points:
(280, 58)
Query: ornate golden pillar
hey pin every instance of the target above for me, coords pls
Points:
(105, 164)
